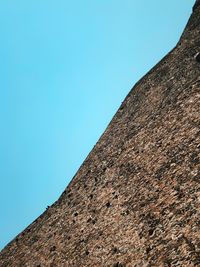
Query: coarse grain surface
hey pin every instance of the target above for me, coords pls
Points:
(135, 201)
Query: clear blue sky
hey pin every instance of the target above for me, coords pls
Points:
(65, 68)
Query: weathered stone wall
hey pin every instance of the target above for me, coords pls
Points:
(135, 201)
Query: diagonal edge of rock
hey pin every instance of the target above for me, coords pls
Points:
(135, 199)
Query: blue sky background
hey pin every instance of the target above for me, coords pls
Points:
(65, 68)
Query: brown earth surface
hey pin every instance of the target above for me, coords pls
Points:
(135, 201)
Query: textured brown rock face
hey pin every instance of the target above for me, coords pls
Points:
(197, 3)
(136, 199)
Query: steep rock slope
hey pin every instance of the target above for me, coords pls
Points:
(135, 201)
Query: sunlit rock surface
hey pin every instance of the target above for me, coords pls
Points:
(135, 201)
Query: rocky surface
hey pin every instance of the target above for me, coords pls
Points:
(135, 201)
(197, 3)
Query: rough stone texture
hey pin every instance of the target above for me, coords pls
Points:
(135, 201)
(197, 3)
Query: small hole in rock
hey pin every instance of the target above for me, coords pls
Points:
(148, 249)
(87, 252)
(197, 57)
(53, 248)
(100, 233)
(118, 265)
(151, 232)
(89, 220)
(108, 205)
(76, 214)
(115, 250)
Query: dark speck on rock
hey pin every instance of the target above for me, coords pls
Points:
(115, 250)
(52, 248)
(118, 265)
(89, 220)
(151, 232)
(108, 205)
(91, 196)
(197, 57)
